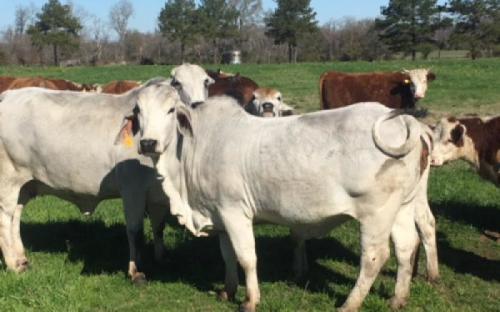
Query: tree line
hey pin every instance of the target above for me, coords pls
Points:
(202, 31)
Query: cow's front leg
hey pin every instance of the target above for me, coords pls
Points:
(240, 231)
(16, 238)
(157, 215)
(300, 263)
(134, 206)
(231, 265)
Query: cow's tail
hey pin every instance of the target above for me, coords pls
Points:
(322, 95)
(413, 135)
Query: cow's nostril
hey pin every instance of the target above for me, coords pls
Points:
(148, 146)
(268, 106)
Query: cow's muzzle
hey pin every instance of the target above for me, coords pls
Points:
(148, 146)
(268, 110)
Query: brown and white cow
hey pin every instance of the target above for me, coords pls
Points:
(473, 139)
(236, 86)
(395, 90)
(268, 102)
(119, 86)
(5, 83)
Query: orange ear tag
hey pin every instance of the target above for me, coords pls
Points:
(128, 140)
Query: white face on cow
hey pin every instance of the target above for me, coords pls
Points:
(267, 102)
(419, 79)
(191, 81)
(450, 141)
(155, 113)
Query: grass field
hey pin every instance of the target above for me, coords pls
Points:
(79, 262)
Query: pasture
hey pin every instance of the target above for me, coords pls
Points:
(79, 262)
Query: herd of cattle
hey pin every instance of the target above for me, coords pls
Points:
(184, 145)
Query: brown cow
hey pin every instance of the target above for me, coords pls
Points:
(474, 139)
(119, 86)
(239, 87)
(54, 84)
(395, 90)
(5, 83)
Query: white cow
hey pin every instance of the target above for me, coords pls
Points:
(59, 142)
(225, 170)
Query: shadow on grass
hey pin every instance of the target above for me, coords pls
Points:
(197, 261)
(481, 217)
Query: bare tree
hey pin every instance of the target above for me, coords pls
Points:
(119, 16)
(251, 12)
(24, 16)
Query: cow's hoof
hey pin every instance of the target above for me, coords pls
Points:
(346, 309)
(225, 296)
(22, 265)
(139, 279)
(433, 278)
(247, 307)
(398, 303)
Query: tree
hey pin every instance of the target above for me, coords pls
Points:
(218, 22)
(250, 11)
(291, 20)
(476, 24)
(56, 26)
(177, 20)
(407, 26)
(119, 15)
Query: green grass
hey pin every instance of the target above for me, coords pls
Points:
(79, 262)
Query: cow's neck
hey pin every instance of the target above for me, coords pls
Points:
(171, 167)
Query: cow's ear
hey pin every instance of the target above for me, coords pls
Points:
(431, 76)
(457, 135)
(129, 127)
(183, 116)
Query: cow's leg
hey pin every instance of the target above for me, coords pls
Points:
(134, 206)
(9, 229)
(300, 264)
(157, 215)
(375, 232)
(427, 228)
(240, 231)
(406, 241)
(231, 279)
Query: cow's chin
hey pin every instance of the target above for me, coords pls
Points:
(268, 114)
(151, 154)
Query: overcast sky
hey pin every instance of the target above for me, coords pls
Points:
(146, 11)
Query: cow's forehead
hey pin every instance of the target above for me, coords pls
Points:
(418, 74)
(267, 93)
(188, 72)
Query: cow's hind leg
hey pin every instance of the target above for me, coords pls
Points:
(426, 224)
(406, 241)
(239, 228)
(231, 265)
(375, 232)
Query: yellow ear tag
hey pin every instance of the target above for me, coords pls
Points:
(407, 81)
(128, 141)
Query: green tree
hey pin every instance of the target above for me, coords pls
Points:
(477, 24)
(218, 21)
(408, 25)
(290, 22)
(177, 21)
(56, 25)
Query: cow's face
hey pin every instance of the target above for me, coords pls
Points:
(419, 80)
(191, 81)
(267, 102)
(152, 117)
(450, 141)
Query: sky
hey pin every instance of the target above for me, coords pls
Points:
(146, 11)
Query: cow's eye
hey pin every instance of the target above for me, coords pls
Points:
(176, 84)
(279, 98)
(136, 110)
(170, 111)
(206, 82)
